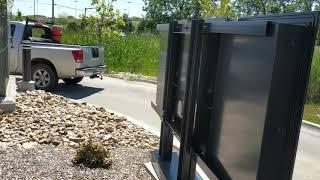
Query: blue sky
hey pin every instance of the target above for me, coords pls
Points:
(43, 7)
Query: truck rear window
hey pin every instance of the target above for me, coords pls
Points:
(12, 29)
(38, 33)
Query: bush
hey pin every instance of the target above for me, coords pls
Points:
(73, 26)
(93, 156)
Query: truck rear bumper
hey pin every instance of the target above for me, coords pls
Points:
(90, 71)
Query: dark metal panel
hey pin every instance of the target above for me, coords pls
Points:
(284, 111)
(240, 102)
(164, 38)
(235, 27)
(207, 76)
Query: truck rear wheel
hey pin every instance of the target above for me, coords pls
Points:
(44, 77)
(72, 81)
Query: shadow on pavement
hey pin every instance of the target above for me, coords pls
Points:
(76, 91)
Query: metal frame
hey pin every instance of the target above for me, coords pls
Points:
(187, 158)
(201, 81)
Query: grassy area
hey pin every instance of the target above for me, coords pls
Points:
(312, 113)
(135, 53)
(313, 94)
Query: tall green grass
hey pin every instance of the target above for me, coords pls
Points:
(136, 53)
(313, 93)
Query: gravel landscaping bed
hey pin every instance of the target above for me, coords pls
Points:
(50, 162)
(40, 139)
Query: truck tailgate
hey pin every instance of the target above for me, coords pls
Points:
(92, 56)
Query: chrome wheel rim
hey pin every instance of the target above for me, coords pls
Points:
(41, 78)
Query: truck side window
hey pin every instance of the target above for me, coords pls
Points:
(12, 29)
(38, 33)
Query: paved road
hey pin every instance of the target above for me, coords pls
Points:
(128, 97)
(133, 99)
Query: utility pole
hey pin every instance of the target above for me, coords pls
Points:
(52, 12)
(85, 10)
(34, 9)
(75, 9)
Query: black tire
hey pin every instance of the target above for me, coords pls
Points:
(48, 73)
(72, 81)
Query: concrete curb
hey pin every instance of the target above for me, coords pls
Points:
(310, 125)
(138, 80)
(146, 81)
(8, 103)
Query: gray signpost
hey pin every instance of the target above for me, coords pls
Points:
(7, 83)
(4, 74)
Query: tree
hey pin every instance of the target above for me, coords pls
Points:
(109, 20)
(128, 24)
(160, 11)
(19, 16)
(62, 19)
(255, 7)
(146, 25)
(211, 8)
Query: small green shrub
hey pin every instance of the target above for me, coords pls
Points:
(93, 156)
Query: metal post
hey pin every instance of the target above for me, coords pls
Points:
(26, 84)
(166, 139)
(26, 58)
(166, 142)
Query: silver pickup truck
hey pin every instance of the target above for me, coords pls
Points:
(51, 60)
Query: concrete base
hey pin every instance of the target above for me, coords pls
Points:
(168, 170)
(8, 103)
(24, 86)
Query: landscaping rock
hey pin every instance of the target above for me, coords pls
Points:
(29, 145)
(44, 118)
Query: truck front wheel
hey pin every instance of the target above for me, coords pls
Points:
(72, 81)
(44, 77)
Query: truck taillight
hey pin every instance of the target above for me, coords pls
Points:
(78, 56)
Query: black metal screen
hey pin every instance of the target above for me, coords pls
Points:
(233, 92)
